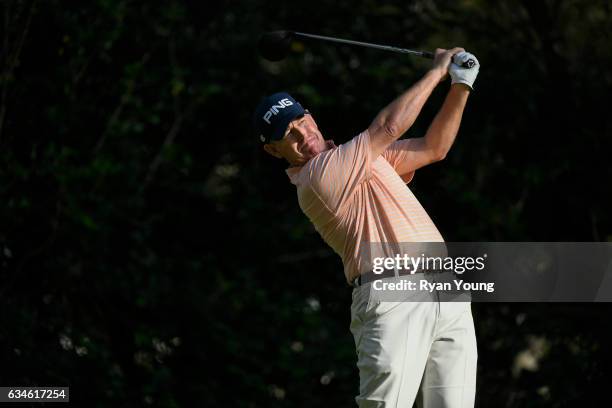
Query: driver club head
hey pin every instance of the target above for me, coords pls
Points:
(275, 45)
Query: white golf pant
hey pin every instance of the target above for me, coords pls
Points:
(418, 342)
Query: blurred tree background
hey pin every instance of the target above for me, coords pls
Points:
(152, 255)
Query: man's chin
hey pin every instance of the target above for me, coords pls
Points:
(310, 153)
(314, 150)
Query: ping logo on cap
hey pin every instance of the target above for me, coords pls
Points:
(282, 104)
(273, 114)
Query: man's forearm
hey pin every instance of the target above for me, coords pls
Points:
(443, 130)
(400, 114)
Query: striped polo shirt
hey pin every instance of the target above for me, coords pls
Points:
(353, 200)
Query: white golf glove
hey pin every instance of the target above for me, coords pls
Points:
(461, 75)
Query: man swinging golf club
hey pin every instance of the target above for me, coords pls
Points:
(355, 193)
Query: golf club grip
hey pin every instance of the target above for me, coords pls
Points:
(467, 64)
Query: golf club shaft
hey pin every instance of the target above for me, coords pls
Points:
(424, 54)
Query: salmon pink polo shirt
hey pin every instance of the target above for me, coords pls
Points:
(351, 200)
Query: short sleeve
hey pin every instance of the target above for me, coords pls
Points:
(337, 175)
(397, 156)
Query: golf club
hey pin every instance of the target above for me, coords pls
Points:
(275, 45)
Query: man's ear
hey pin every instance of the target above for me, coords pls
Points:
(271, 149)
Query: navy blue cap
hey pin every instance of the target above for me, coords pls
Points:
(273, 115)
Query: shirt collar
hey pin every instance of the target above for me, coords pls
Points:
(293, 173)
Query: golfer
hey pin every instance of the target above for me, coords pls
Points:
(356, 193)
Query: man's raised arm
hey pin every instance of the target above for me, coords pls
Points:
(395, 119)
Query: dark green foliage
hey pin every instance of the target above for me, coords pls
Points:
(152, 255)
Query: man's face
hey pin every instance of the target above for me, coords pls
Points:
(301, 142)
